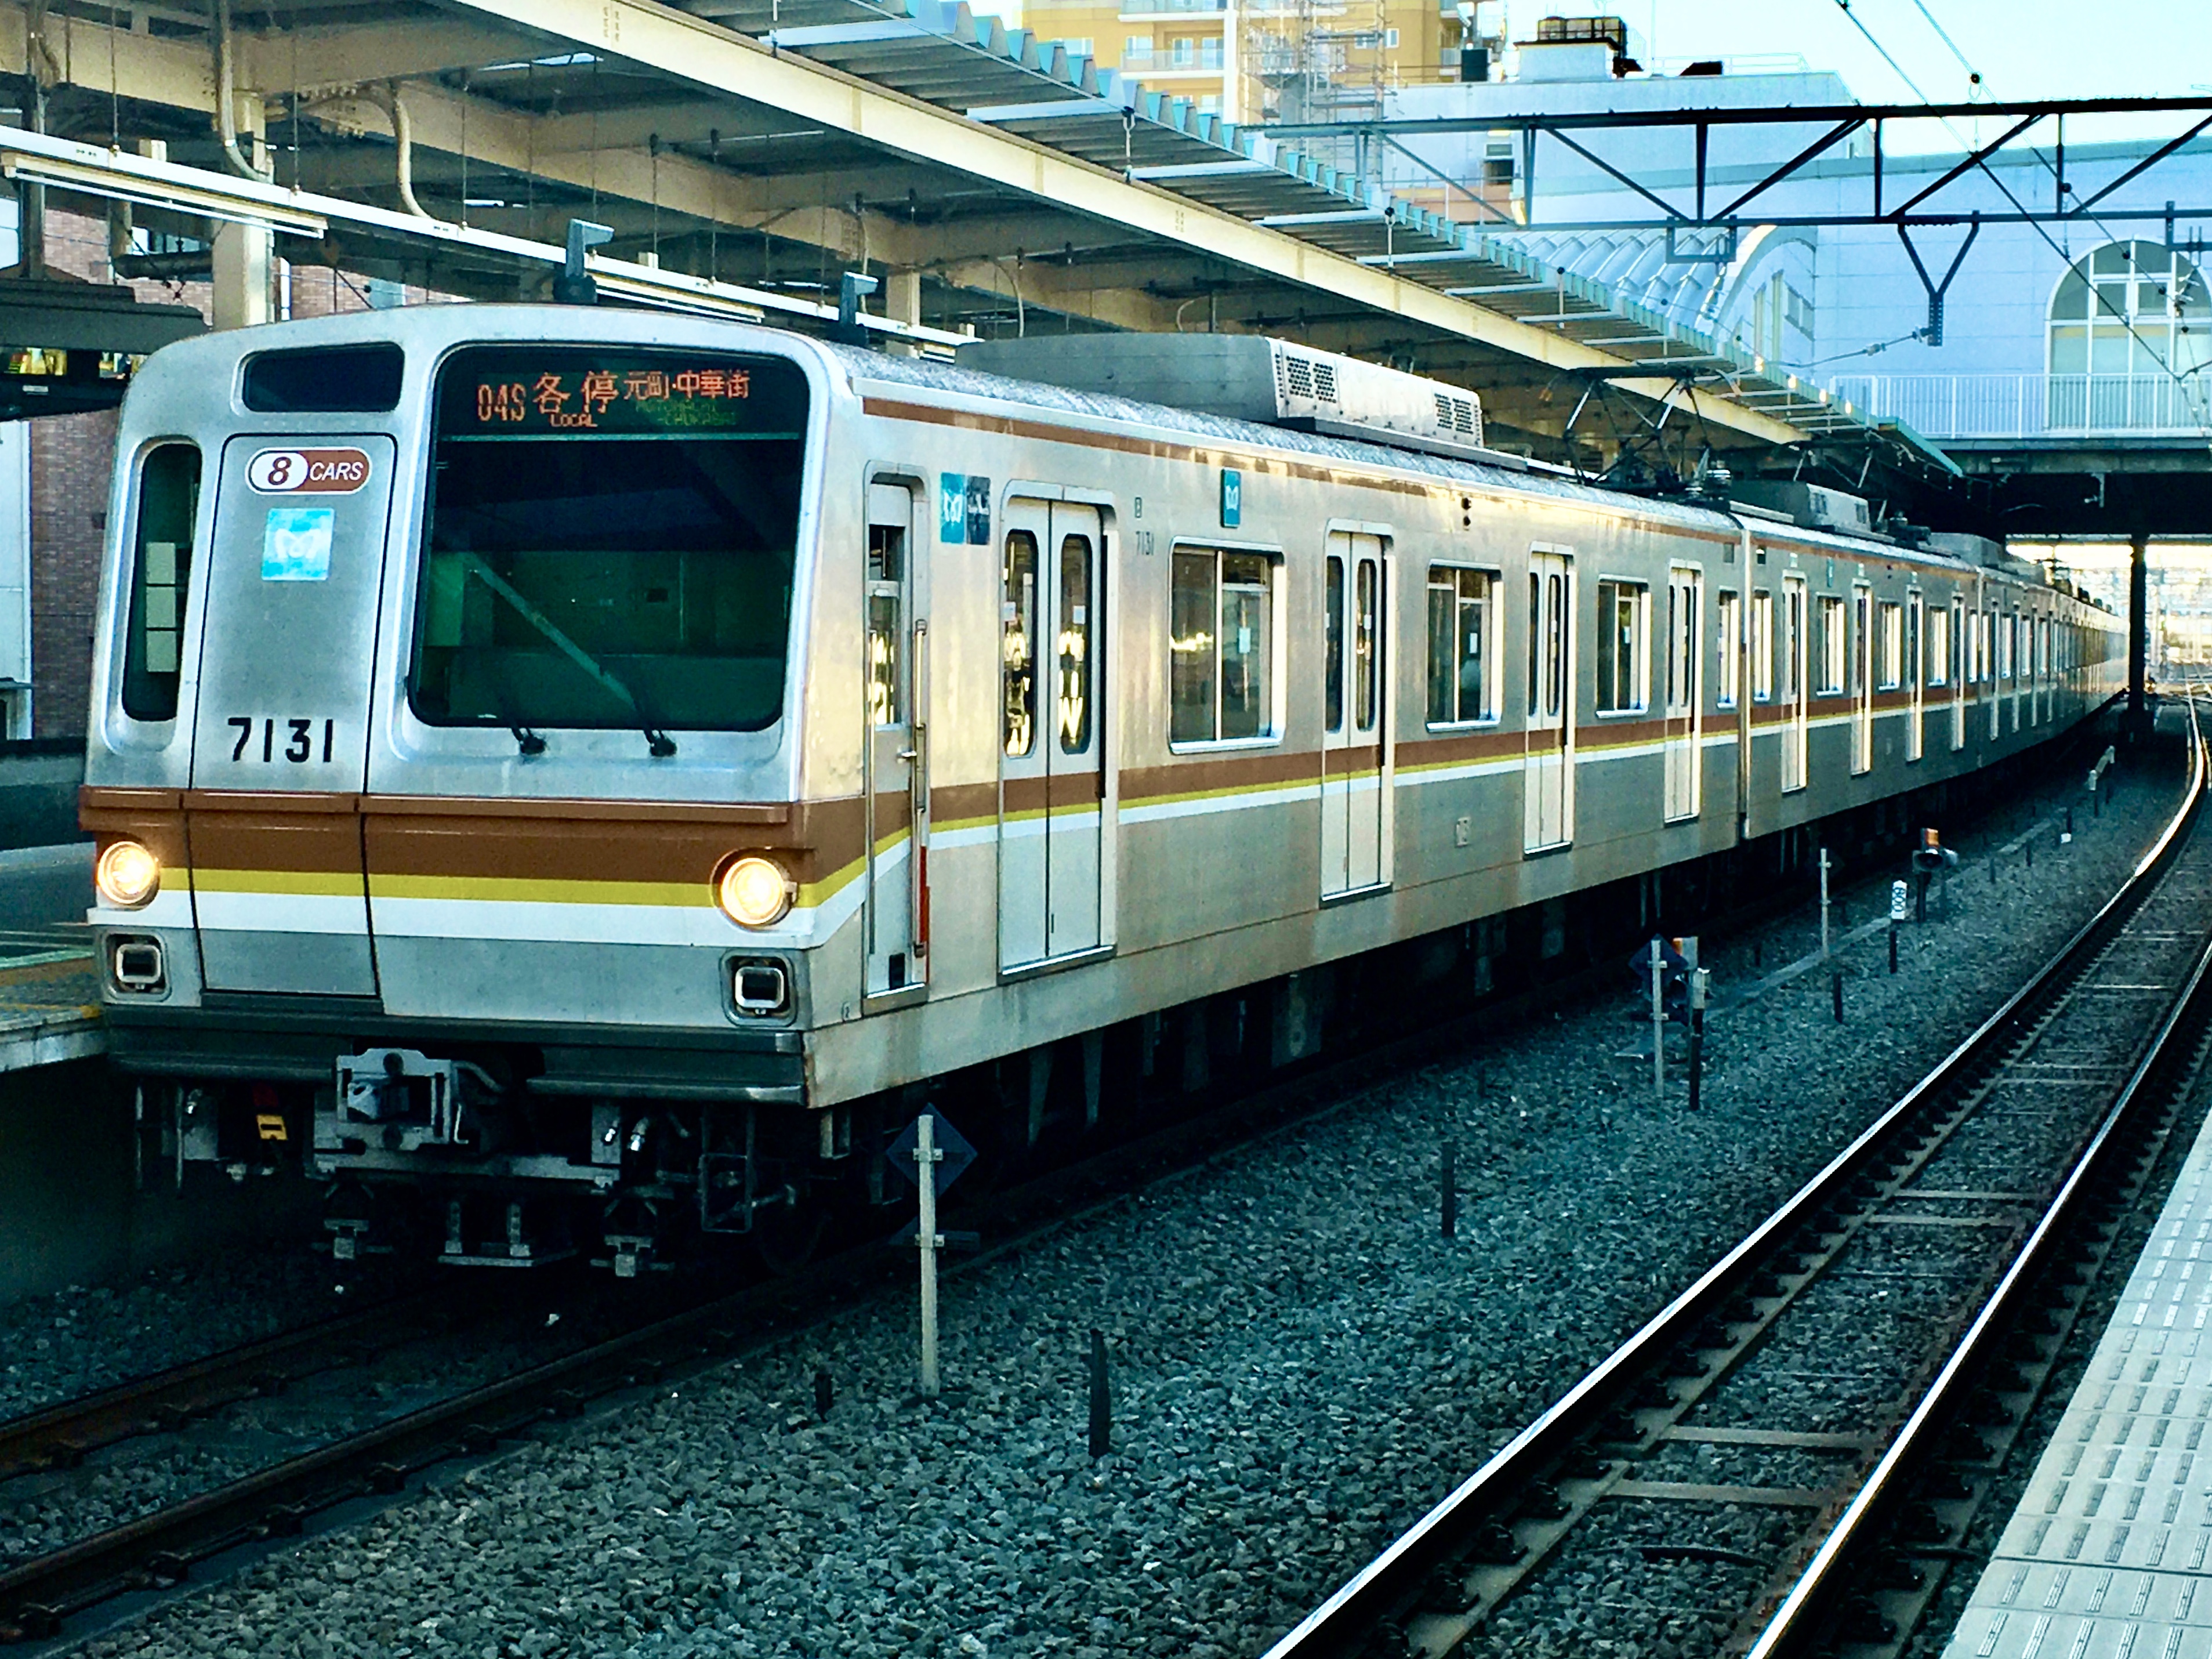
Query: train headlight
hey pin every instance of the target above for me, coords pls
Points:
(127, 875)
(753, 891)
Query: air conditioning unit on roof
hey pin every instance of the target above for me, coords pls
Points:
(1250, 377)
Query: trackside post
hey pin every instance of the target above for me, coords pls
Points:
(926, 1156)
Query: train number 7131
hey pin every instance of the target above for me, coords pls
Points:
(282, 738)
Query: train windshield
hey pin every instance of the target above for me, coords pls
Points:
(612, 535)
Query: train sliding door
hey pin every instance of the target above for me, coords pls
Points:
(1351, 796)
(1052, 754)
(1796, 668)
(1547, 774)
(897, 919)
(1684, 591)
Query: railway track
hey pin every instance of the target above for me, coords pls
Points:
(1845, 1492)
(40, 1597)
(61, 1436)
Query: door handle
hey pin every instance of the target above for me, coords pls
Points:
(909, 754)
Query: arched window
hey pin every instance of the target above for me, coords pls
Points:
(2127, 322)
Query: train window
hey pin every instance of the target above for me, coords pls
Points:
(1018, 601)
(573, 576)
(1891, 674)
(323, 380)
(1834, 645)
(161, 571)
(1221, 645)
(1247, 644)
(1939, 645)
(1624, 610)
(1862, 635)
(886, 558)
(1793, 641)
(1762, 647)
(1682, 641)
(1730, 678)
(1366, 640)
(1333, 646)
(1535, 626)
(1462, 650)
(1074, 644)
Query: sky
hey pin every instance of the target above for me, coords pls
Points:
(2023, 49)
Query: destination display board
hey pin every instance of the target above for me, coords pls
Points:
(539, 390)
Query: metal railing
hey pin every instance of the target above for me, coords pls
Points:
(2032, 405)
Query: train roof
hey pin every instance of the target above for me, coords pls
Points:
(865, 365)
(436, 326)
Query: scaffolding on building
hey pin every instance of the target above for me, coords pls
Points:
(1315, 61)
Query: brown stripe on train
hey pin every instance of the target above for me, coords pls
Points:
(617, 841)
(1459, 748)
(476, 836)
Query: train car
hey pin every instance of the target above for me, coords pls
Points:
(586, 773)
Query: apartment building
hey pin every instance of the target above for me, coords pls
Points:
(1265, 60)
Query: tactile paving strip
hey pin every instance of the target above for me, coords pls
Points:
(2109, 1555)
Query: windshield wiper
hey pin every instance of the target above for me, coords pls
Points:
(658, 743)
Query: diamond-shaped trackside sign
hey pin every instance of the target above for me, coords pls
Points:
(958, 1154)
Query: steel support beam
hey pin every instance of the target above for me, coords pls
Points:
(1788, 115)
(696, 52)
(1047, 193)
(2138, 628)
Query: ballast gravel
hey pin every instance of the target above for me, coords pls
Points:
(1301, 1364)
(79, 1341)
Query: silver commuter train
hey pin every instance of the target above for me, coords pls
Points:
(572, 766)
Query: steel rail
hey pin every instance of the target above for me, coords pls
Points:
(36, 1596)
(1789, 1631)
(60, 1435)
(1386, 1588)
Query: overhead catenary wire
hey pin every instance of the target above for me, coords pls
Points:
(2179, 379)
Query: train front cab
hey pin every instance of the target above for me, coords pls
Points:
(447, 766)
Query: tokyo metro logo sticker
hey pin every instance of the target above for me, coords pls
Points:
(307, 471)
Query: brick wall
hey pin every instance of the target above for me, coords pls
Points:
(72, 460)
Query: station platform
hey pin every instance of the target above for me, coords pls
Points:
(49, 1008)
(2109, 1555)
(49, 991)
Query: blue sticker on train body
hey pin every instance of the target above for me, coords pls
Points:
(979, 510)
(296, 544)
(952, 509)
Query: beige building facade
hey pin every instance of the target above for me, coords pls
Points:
(1274, 60)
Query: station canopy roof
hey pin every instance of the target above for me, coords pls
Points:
(747, 153)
